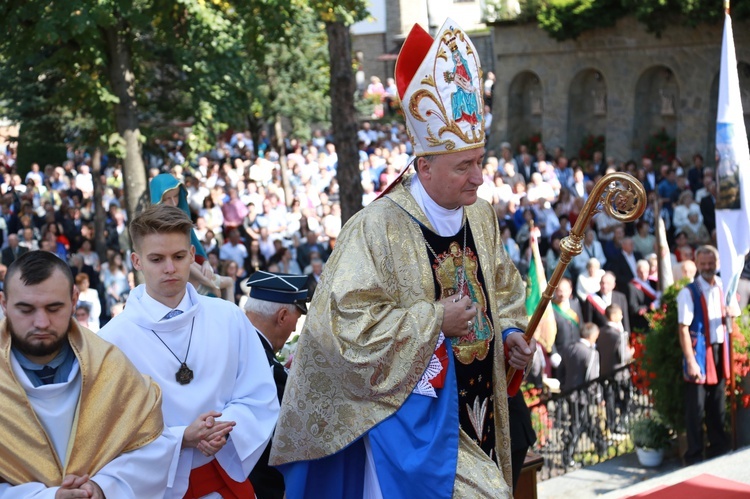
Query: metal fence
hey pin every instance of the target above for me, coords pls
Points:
(586, 425)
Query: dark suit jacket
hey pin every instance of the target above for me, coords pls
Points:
(527, 176)
(8, 257)
(312, 285)
(618, 265)
(609, 345)
(708, 210)
(574, 368)
(567, 332)
(593, 315)
(638, 300)
(267, 481)
(304, 251)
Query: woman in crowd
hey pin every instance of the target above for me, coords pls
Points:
(589, 281)
(115, 278)
(90, 298)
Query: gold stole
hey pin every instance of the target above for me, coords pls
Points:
(119, 410)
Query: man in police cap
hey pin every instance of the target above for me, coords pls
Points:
(276, 303)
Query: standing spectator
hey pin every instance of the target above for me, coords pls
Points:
(596, 304)
(614, 352)
(642, 297)
(255, 260)
(591, 249)
(623, 264)
(115, 279)
(90, 298)
(212, 214)
(568, 319)
(234, 211)
(12, 251)
(489, 88)
(644, 242)
(234, 249)
(705, 348)
(695, 231)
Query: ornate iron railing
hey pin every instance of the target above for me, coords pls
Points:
(586, 425)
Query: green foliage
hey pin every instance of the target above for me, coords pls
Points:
(344, 11)
(662, 360)
(650, 433)
(202, 62)
(567, 19)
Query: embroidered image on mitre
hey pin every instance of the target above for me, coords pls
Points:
(439, 83)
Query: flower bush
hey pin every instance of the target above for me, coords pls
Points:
(590, 144)
(661, 146)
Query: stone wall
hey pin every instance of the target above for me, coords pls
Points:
(620, 82)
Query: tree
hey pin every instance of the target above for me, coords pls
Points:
(338, 16)
(120, 62)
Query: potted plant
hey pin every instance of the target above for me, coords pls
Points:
(650, 437)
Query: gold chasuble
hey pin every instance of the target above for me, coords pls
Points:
(372, 328)
(119, 410)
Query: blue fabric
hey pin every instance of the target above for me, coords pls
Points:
(161, 184)
(339, 476)
(415, 453)
(416, 450)
(509, 331)
(697, 331)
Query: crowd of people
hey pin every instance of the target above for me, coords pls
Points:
(226, 217)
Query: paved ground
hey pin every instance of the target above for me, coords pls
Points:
(624, 476)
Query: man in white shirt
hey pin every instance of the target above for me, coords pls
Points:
(205, 355)
(78, 420)
(705, 349)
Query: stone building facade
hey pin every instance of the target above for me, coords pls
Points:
(620, 82)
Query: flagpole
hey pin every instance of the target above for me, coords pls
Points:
(659, 256)
(618, 194)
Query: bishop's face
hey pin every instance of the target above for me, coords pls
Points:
(452, 179)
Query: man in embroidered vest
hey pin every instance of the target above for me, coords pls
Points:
(398, 387)
(704, 340)
(205, 355)
(78, 419)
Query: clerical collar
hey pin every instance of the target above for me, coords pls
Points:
(156, 310)
(63, 363)
(446, 222)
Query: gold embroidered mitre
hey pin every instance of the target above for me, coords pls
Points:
(119, 410)
(439, 82)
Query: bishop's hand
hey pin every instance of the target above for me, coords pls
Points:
(459, 316)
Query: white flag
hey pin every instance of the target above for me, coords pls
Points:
(733, 172)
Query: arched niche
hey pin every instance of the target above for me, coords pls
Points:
(587, 109)
(525, 107)
(657, 97)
